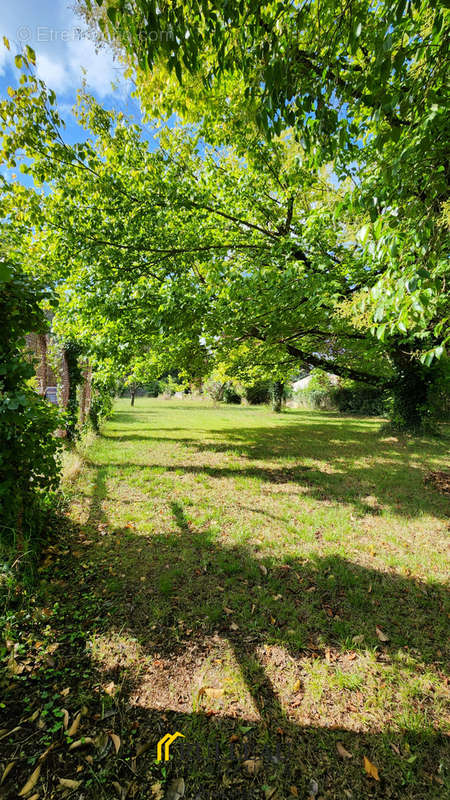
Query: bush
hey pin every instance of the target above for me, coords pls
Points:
(258, 393)
(215, 389)
(29, 465)
(152, 389)
(315, 398)
(359, 399)
(100, 408)
(230, 395)
(419, 394)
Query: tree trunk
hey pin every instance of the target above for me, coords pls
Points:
(133, 393)
(277, 396)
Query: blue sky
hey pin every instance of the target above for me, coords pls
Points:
(63, 50)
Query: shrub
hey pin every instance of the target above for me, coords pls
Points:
(419, 394)
(215, 389)
(152, 388)
(230, 395)
(359, 399)
(316, 398)
(29, 464)
(258, 393)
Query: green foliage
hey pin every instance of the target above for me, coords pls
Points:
(215, 388)
(258, 393)
(317, 398)
(367, 95)
(277, 395)
(348, 396)
(320, 381)
(231, 395)
(29, 467)
(258, 256)
(359, 399)
(152, 389)
(419, 395)
(72, 350)
(101, 405)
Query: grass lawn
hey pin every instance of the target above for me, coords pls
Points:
(272, 587)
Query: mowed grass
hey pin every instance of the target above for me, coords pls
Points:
(295, 564)
(270, 586)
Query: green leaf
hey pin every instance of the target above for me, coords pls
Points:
(363, 233)
(5, 272)
(31, 55)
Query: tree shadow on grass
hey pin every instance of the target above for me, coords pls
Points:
(370, 490)
(332, 459)
(159, 611)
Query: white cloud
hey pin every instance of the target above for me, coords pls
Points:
(61, 45)
(52, 72)
(101, 68)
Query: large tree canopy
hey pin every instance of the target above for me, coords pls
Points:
(190, 251)
(199, 252)
(363, 86)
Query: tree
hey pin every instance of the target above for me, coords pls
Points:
(191, 253)
(362, 86)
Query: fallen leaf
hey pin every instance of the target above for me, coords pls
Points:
(234, 627)
(263, 569)
(157, 791)
(75, 725)
(228, 610)
(31, 782)
(297, 686)
(81, 742)
(210, 691)
(7, 770)
(5, 733)
(116, 741)
(141, 748)
(44, 755)
(342, 751)
(65, 718)
(252, 765)
(110, 688)
(176, 789)
(358, 639)
(382, 636)
(121, 790)
(371, 769)
(294, 791)
(66, 783)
